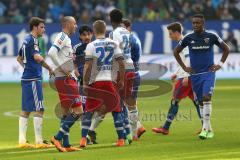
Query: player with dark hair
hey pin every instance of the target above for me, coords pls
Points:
(183, 86)
(136, 52)
(32, 95)
(202, 67)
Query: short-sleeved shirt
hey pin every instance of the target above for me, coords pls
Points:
(32, 69)
(122, 36)
(201, 49)
(79, 56)
(65, 53)
(103, 52)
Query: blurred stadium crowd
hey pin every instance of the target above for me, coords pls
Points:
(86, 11)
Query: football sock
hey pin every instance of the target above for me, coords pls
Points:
(66, 135)
(66, 125)
(118, 123)
(207, 110)
(23, 124)
(97, 118)
(173, 110)
(37, 122)
(126, 122)
(133, 116)
(198, 109)
(86, 123)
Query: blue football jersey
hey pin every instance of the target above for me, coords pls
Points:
(32, 69)
(136, 50)
(79, 52)
(201, 49)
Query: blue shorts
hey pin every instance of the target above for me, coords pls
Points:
(32, 96)
(203, 84)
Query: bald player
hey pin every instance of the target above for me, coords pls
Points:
(61, 54)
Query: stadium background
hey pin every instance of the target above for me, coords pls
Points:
(149, 21)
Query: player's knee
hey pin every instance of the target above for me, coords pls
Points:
(38, 114)
(24, 114)
(175, 102)
(206, 98)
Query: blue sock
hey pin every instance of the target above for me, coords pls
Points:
(66, 135)
(86, 123)
(126, 120)
(171, 114)
(118, 123)
(66, 125)
(197, 108)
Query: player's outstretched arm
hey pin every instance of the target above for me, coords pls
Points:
(176, 52)
(121, 72)
(87, 72)
(20, 60)
(39, 59)
(225, 54)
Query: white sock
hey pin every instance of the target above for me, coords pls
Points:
(133, 117)
(23, 124)
(139, 125)
(96, 120)
(38, 121)
(207, 110)
(201, 112)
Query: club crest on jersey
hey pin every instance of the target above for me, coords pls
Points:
(59, 42)
(206, 40)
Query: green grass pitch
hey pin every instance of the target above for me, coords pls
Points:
(182, 143)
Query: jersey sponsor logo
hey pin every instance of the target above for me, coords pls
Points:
(200, 47)
(206, 40)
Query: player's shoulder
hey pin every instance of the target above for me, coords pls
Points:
(30, 40)
(188, 35)
(62, 36)
(211, 33)
(75, 47)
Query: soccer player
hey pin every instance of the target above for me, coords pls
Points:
(61, 53)
(103, 57)
(202, 67)
(32, 95)
(136, 52)
(122, 36)
(86, 34)
(183, 86)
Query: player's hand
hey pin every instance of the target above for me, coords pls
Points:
(76, 73)
(215, 67)
(51, 72)
(120, 84)
(173, 77)
(189, 70)
(185, 82)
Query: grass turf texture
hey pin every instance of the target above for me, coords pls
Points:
(182, 143)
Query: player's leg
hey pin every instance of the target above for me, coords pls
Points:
(118, 123)
(179, 93)
(208, 87)
(126, 123)
(28, 106)
(130, 100)
(86, 123)
(75, 111)
(97, 118)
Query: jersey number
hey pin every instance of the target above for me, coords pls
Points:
(24, 54)
(102, 59)
(125, 45)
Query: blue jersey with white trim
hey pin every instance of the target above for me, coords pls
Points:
(201, 49)
(136, 50)
(79, 60)
(32, 69)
